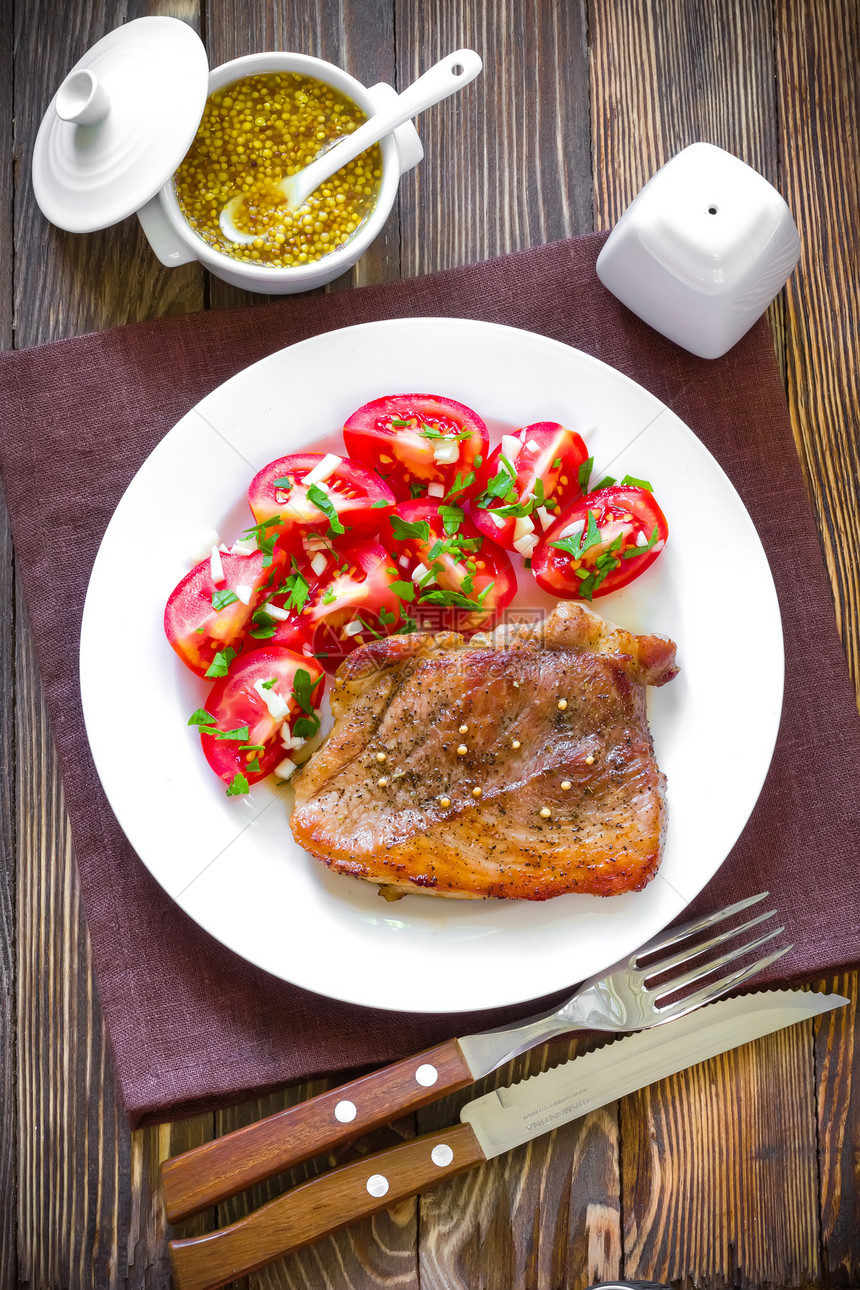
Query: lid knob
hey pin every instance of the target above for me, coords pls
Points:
(82, 98)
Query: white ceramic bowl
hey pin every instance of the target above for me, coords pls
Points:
(175, 242)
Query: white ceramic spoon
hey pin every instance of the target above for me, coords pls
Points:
(439, 82)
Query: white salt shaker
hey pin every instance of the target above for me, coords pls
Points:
(702, 250)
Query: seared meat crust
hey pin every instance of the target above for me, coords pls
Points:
(416, 821)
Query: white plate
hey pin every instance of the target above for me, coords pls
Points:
(231, 863)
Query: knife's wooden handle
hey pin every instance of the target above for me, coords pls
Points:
(323, 1205)
(203, 1176)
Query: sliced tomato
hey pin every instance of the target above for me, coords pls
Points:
(348, 603)
(545, 459)
(348, 500)
(263, 710)
(608, 538)
(445, 562)
(422, 445)
(205, 619)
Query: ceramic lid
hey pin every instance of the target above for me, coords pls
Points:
(120, 124)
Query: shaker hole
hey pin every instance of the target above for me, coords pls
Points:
(457, 69)
(712, 210)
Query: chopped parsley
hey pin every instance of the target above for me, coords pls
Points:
(403, 530)
(323, 502)
(220, 664)
(416, 490)
(201, 718)
(298, 588)
(429, 433)
(379, 503)
(238, 785)
(632, 482)
(404, 590)
(606, 482)
(264, 626)
(456, 598)
(285, 482)
(461, 483)
(640, 550)
(303, 688)
(221, 599)
(556, 465)
(584, 474)
(451, 517)
(578, 543)
(239, 734)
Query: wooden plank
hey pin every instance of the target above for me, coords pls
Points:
(8, 824)
(837, 1068)
(668, 75)
(508, 162)
(87, 1208)
(544, 1215)
(719, 1170)
(818, 51)
(357, 35)
(818, 48)
(664, 77)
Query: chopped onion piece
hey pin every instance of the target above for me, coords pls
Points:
(419, 571)
(244, 546)
(446, 451)
(353, 628)
(319, 563)
(641, 539)
(526, 545)
(285, 768)
(277, 706)
(216, 567)
(435, 490)
(293, 742)
(511, 447)
(545, 517)
(498, 520)
(523, 525)
(275, 611)
(323, 469)
(404, 562)
(532, 445)
(577, 527)
(244, 593)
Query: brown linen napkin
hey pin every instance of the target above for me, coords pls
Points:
(191, 1024)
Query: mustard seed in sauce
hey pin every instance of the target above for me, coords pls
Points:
(254, 133)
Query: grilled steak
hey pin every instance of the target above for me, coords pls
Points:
(516, 764)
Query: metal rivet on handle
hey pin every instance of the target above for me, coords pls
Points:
(426, 1075)
(377, 1184)
(442, 1155)
(345, 1111)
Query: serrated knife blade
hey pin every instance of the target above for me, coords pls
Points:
(508, 1117)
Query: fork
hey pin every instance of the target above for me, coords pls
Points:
(624, 998)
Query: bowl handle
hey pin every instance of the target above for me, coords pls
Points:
(161, 235)
(410, 149)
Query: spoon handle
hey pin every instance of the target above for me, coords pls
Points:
(443, 79)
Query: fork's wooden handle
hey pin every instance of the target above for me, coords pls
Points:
(323, 1205)
(203, 1176)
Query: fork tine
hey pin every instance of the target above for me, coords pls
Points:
(687, 955)
(717, 988)
(675, 934)
(705, 969)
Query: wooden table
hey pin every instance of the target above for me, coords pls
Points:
(740, 1172)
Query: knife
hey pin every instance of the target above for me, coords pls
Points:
(490, 1125)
